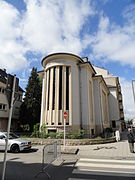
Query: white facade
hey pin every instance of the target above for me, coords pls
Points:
(70, 84)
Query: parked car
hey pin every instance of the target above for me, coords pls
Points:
(15, 144)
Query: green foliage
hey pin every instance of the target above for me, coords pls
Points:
(60, 135)
(36, 130)
(52, 135)
(31, 106)
(26, 127)
(78, 134)
(43, 131)
(98, 138)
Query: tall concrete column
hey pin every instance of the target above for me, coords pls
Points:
(46, 103)
(51, 95)
(57, 95)
(42, 117)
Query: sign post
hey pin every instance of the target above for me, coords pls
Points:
(65, 117)
(8, 129)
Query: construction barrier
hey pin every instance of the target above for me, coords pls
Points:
(50, 153)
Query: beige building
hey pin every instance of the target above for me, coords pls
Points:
(71, 84)
(116, 113)
(6, 84)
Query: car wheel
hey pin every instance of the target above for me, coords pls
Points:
(15, 148)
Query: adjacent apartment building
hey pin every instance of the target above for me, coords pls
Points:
(91, 96)
(6, 85)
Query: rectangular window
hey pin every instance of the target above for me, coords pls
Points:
(54, 77)
(67, 88)
(2, 90)
(48, 90)
(2, 106)
(113, 124)
(60, 88)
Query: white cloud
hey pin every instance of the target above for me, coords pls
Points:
(12, 51)
(115, 43)
(128, 100)
(44, 27)
(52, 26)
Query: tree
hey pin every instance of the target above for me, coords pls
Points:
(31, 106)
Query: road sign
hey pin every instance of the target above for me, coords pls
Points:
(65, 115)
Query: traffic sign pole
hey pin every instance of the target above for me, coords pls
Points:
(64, 133)
(65, 117)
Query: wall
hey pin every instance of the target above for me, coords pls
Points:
(97, 105)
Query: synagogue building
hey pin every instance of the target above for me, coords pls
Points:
(90, 95)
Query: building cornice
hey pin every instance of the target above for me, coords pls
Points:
(60, 55)
(89, 65)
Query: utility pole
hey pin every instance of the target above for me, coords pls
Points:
(133, 90)
(8, 129)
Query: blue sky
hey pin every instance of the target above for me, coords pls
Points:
(102, 30)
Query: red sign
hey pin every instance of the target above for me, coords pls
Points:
(65, 115)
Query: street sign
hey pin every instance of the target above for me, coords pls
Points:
(65, 115)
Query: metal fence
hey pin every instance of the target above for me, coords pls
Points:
(50, 153)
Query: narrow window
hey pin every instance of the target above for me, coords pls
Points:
(60, 88)
(54, 77)
(0, 106)
(67, 88)
(4, 106)
(3, 90)
(48, 90)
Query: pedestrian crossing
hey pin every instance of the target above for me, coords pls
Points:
(106, 166)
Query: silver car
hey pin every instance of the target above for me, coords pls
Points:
(15, 144)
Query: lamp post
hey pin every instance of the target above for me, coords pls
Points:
(133, 90)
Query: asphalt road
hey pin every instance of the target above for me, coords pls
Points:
(26, 165)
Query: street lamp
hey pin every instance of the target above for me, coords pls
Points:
(133, 89)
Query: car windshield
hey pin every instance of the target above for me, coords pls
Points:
(12, 136)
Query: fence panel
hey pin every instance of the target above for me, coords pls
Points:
(50, 153)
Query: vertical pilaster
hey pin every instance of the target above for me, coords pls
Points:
(57, 94)
(51, 95)
(64, 88)
(70, 96)
(42, 117)
(46, 103)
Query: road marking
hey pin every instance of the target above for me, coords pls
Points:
(107, 160)
(104, 172)
(79, 179)
(118, 167)
(105, 165)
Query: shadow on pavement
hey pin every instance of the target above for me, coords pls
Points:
(32, 150)
(20, 171)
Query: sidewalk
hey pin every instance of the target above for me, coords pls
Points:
(116, 150)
